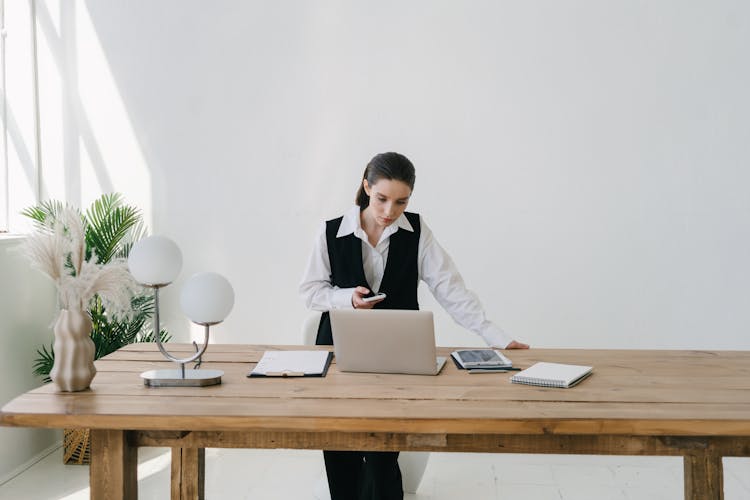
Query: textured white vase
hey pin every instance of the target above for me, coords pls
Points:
(73, 369)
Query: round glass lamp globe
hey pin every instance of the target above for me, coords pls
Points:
(155, 260)
(207, 298)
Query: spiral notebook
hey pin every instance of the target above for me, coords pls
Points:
(552, 375)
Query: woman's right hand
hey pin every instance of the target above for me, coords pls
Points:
(357, 301)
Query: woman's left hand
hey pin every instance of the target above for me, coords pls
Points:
(516, 345)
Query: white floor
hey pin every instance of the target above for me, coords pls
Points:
(293, 474)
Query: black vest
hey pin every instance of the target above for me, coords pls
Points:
(400, 277)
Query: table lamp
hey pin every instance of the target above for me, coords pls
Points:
(155, 262)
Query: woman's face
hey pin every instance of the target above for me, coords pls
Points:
(388, 200)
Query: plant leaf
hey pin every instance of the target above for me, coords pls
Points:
(45, 214)
(44, 361)
(110, 223)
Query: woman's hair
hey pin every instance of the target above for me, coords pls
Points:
(391, 166)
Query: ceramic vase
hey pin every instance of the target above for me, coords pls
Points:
(73, 369)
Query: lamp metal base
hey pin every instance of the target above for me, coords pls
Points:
(173, 378)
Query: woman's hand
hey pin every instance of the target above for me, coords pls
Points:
(516, 345)
(357, 301)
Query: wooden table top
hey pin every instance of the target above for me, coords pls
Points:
(631, 392)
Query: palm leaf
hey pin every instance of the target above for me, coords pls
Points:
(148, 336)
(44, 361)
(137, 232)
(47, 213)
(44, 214)
(111, 333)
(109, 224)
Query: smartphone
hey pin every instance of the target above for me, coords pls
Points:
(374, 298)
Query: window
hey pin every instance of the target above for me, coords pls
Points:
(19, 106)
(4, 161)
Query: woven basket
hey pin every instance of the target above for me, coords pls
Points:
(76, 446)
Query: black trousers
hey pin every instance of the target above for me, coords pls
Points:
(363, 475)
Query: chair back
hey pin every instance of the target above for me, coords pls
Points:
(310, 328)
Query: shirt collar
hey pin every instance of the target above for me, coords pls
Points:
(351, 223)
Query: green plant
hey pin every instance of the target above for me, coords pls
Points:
(109, 228)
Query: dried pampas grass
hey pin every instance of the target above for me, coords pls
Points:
(58, 249)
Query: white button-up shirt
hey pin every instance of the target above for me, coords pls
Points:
(435, 268)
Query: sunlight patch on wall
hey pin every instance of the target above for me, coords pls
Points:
(114, 160)
(88, 146)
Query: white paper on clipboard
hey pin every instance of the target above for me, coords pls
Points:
(292, 363)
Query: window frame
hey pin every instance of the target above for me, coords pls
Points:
(4, 174)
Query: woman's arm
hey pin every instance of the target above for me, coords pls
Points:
(436, 268)
(316, 289)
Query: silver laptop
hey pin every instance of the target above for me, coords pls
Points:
(385, 341)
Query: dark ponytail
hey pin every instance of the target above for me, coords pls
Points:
(391, 166)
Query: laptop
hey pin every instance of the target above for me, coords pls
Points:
(385, 341)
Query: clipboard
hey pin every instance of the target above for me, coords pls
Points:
(292, 364)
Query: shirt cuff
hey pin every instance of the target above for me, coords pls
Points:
(342, 298)
(495, 337)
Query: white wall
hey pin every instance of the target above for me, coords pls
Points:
(27, 309)
(585, 162)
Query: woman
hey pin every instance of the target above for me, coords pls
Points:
(379, 247)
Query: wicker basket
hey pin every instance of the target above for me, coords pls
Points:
(76, 446)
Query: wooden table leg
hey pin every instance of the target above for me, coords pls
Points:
(704, 476)
(113, 473)
(188, 473)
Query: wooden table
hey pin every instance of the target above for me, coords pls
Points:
(694, 404)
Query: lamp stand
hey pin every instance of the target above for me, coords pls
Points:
(181, 377)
